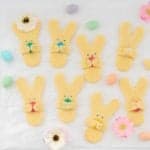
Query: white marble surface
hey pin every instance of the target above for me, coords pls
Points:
(15, 133)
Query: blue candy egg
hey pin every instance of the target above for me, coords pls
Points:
(7, 56)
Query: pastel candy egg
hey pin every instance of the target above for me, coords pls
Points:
(7, 81)
(7, 56)
(72, 8)
(145, 136)
(111, 79)
(92, 24)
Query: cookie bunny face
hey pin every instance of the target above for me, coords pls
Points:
(67, 93)
(134, 99)
(31, 94)
(102, 112)
(27, 29)
(90, 52)
(61, 38)
(128, 43)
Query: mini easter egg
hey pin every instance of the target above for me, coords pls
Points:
(7, 81)
(72, 8)
(92, 24)
(7, 56)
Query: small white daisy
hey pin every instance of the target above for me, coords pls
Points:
(27, 23)
(55, 139)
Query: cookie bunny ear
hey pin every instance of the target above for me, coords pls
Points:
(60, 82)
(96, 99)
(98, 43)
(23, 87)
(82, 43)
(54, 29)
(112, 107)
(141, 87)
(69, 30)
(77, 84)
(39, 84)
(124, 33)
(137, 36)
(126, 87)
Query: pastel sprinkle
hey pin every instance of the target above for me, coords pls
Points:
(7, 81)
(92, 24)
(7, 56)
(72, 8)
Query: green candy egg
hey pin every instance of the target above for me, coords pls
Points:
(92, 24)
(7, 81)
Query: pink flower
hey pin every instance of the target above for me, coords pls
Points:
(145, 13)
(123, 127)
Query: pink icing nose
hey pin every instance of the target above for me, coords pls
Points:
(91, 58)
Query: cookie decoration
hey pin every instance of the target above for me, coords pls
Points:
(97, 122)
(32, 99)
(67, 97)
(61, 41)
(134, 99)
(27, 29)
(90, 52)
(129, 41)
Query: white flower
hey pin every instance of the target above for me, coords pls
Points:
(27, 23)
(55, 139)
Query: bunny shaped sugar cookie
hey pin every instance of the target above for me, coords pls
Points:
(61, 39)
(100, 114)
(128, 43)
(90, 52)
(67, 97)
(27, 29)
(134, 99)
(33, 105)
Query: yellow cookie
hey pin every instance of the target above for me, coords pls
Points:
(33, 105)
(134, 99)
(27, 29)
(100, 114)
(146, 64)
(61, 39)
(91, 61)
(128, 43)
(67, 97)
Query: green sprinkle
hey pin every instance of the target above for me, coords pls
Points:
(7, 81)
(92, 24)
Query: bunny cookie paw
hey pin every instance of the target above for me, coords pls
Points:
(67, 97)
(90, 52)
(61, 39)
(100, 114)
(128, 43)
(27, 30)
(33, 106)
(134, 97)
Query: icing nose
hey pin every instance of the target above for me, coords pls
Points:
(33, 103)
(91, 58)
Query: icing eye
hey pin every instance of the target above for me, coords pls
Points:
(94, 53)
(87, 54)
(102, 117)
(64, 40)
